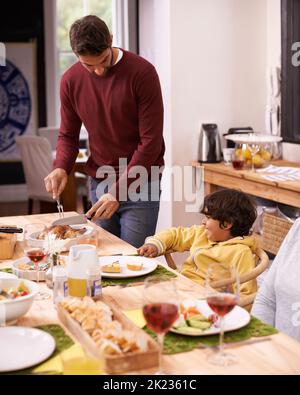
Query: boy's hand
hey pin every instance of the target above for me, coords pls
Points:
(148, 250)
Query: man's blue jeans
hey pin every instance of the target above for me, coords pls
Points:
(134, 220)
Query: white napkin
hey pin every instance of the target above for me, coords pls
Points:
(280, 173)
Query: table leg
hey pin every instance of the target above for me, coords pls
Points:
(209, 188)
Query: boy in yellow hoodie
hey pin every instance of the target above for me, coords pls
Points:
(224, 237)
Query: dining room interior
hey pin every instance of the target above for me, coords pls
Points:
(228, 75)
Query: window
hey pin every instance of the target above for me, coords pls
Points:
(121, 18)
(67, 12)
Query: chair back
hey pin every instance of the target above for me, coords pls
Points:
(36, 154)
(51, 134)
(261, 266)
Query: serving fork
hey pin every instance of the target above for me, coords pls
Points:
(60, 208)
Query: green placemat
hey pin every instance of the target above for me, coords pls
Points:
(6, 270)
(159, 271)
(62, 340)
(175, 343)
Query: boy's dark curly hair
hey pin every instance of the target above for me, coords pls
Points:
(231, 206)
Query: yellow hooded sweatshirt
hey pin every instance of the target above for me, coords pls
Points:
(238, 251)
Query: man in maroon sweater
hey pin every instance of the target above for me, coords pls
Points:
(116, 94)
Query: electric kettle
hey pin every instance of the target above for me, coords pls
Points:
(209, 148)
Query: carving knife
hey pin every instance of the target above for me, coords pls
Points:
(74, 220)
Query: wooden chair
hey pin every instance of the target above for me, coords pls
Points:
(36, 155)
(261, 265)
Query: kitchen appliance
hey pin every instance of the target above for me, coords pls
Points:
(247, 130)
(209, 148)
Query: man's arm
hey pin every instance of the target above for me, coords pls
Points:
(67, 144)
(264, 306)
(68, 139)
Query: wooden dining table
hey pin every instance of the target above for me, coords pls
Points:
(279, 355)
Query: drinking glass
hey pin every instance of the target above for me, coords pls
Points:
(237, 160)
(160, 308)
(90, 237)
(253, 146)
(78, 361)
(222, 294)
(36, 251)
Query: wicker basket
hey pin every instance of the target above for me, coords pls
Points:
(274, 231)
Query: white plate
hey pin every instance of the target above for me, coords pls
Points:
(7, 275)
(28, 274)
(237, 318)
(253, 138)
(23, 347)
(34, 242)
(149, 265)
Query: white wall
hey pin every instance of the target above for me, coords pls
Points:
(154, 24)
(216, 71)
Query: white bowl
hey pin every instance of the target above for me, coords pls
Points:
(27, 274)
(34, 242)
(16, 308)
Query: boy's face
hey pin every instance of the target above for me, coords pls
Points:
(213, 230)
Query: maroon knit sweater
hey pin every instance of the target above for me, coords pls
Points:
(122, 112)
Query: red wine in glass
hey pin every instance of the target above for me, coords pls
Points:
(160, 316)
(36, 256)
(222, 304)
(237, 164)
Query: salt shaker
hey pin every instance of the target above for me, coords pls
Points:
(94, 281)
(60, 283)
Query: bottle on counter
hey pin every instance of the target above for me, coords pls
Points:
(60, 283)
(94, 281)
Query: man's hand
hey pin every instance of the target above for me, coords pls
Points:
(105, 208)
(56, 182)
(148, 250)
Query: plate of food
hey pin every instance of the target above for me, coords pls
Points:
(67, 233)
(16, 296)
(197, 319)
(126, 266)
(24, 268)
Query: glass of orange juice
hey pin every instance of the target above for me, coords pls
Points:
(77, 361)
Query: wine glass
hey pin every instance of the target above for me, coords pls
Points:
(35, 250)
(222, 295)
(253, 146)
(160, 308)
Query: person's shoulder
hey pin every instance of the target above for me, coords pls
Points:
(137, 62)
(198, 229)
(72, 73)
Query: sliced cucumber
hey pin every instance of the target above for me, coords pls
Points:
(190, 330)
(199, 324)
